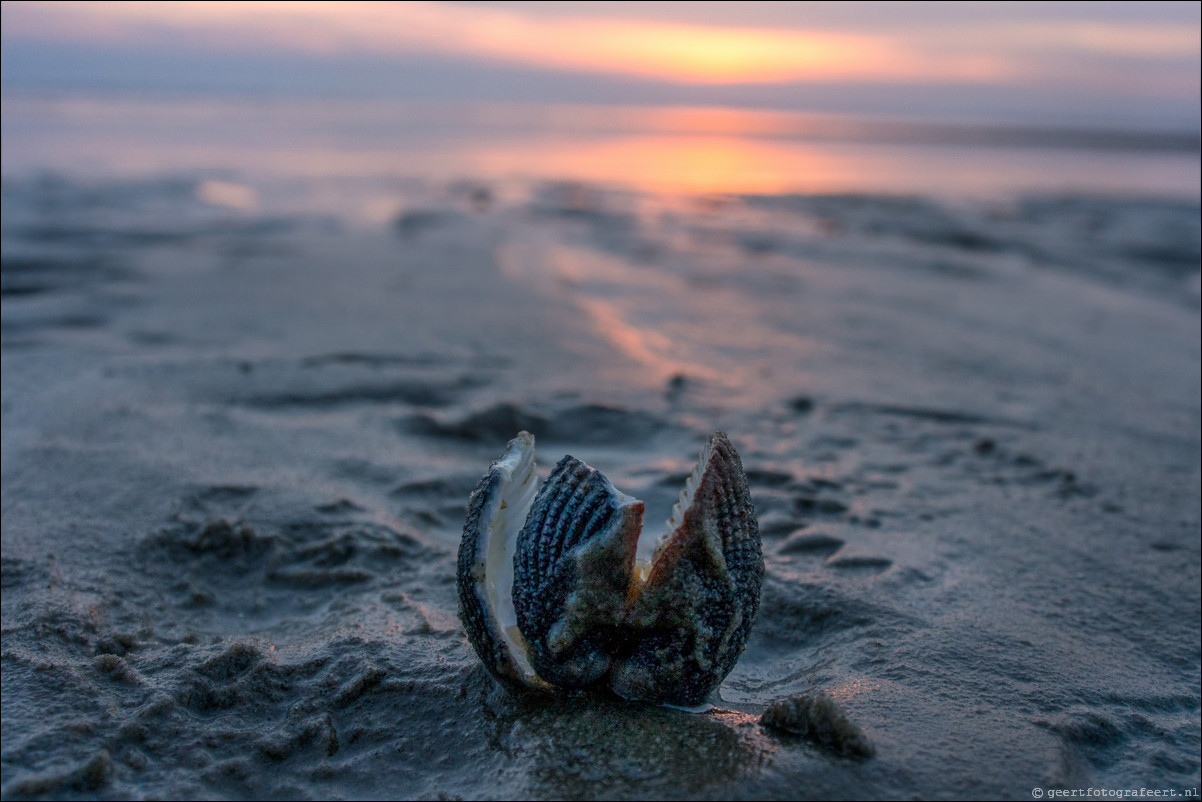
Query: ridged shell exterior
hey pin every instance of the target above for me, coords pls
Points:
(690, 623)
(572, 574)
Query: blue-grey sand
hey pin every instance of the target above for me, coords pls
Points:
(240, 432)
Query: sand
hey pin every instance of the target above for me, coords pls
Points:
(238, 445)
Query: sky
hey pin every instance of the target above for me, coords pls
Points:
(1123, 65)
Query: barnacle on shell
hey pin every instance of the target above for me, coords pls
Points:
(552, 595)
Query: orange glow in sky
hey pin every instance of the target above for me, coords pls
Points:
(970, 44)
(725, 55)
(648, 48)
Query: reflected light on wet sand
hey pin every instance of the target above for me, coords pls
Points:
(709, 164)
(641, 346)
(707, 150)
(653, 322)
(675, 163)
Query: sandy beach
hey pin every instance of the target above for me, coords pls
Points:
(239, 435)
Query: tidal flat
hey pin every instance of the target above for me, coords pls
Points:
(240, 432)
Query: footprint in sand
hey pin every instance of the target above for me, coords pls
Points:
(818, 544)
(859, 562)
(814, 543)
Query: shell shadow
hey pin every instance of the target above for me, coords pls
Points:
(588, 745)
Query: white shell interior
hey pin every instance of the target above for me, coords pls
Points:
(650, 545)
(518, 487)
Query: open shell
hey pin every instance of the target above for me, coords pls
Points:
(551, 595)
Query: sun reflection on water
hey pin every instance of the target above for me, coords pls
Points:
(686, 150)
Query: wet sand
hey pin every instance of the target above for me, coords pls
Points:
(238, 448)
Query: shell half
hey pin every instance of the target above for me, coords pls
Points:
(690, 618)
(496, 513)
(572, 574)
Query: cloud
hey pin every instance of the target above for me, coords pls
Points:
(664, 49)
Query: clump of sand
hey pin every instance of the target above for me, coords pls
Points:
(818, 718)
